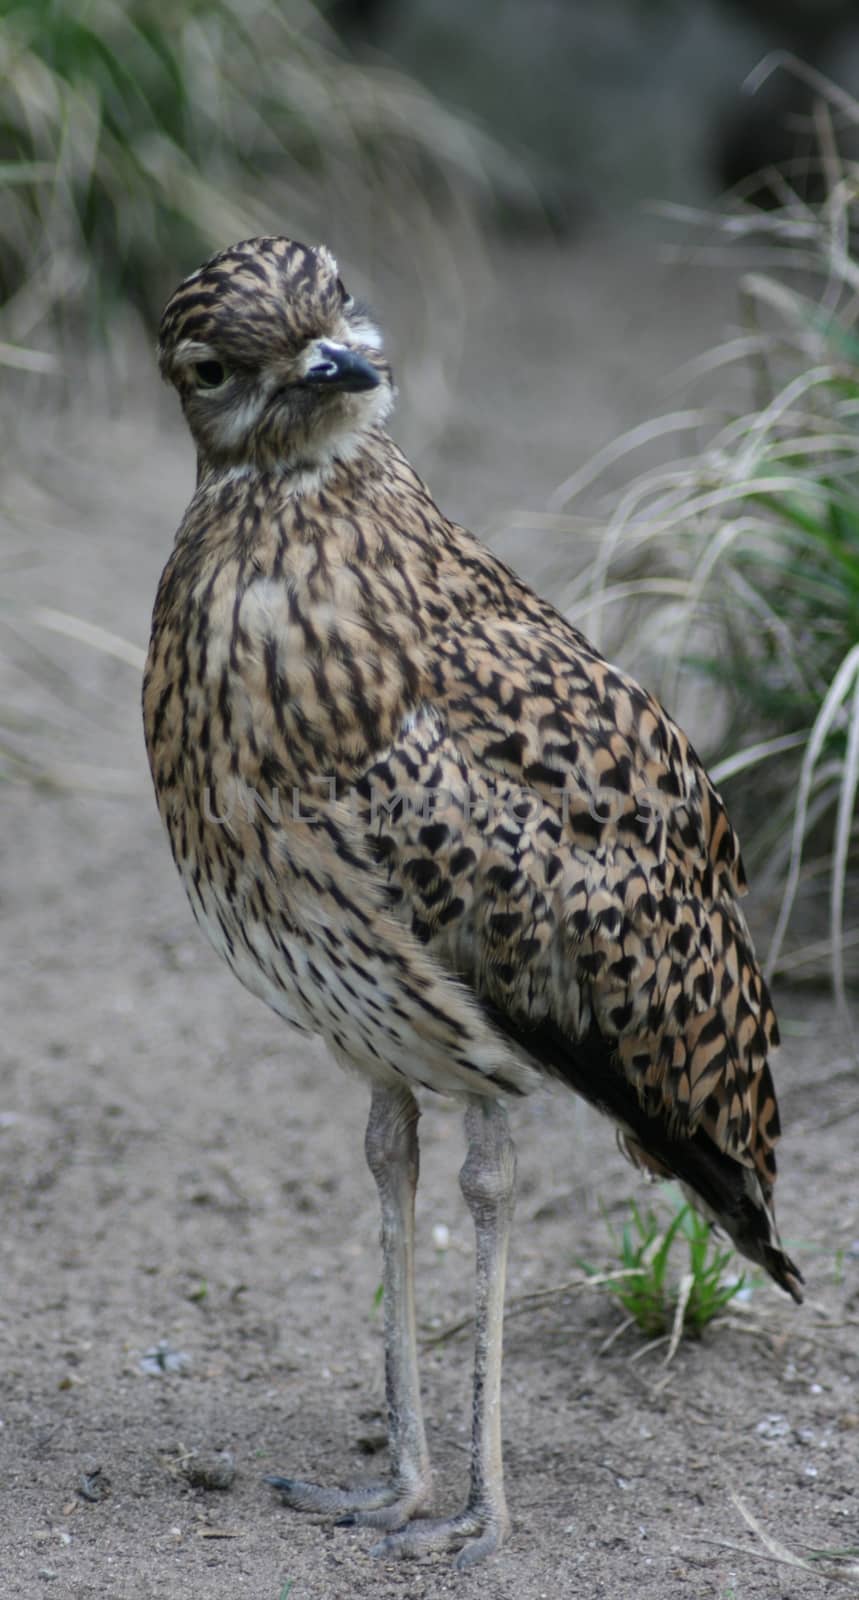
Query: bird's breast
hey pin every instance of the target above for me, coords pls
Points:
(273, 680)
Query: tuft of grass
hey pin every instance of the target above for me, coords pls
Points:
(651, 1294)
(735, 563)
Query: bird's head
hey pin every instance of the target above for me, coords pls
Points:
(275, 364)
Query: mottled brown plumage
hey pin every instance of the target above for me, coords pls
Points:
(420, 815)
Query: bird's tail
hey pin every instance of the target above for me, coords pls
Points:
(725, 1190)
(729, 1195)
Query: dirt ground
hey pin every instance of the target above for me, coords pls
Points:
(180, 1173)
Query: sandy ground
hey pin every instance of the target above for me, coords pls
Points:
(178, 1171)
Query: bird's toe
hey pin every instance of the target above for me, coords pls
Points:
(473, 1534)
(366, 1505)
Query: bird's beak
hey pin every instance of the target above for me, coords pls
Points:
(336, 366)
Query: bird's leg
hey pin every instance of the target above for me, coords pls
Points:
(488, 1182)
(391, 1146)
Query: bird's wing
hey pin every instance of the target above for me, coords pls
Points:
(552, 838)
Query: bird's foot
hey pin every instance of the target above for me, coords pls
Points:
(393, 1508)
(372, 1505)
(476, 1532)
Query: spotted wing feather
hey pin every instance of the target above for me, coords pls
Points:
(552, 837)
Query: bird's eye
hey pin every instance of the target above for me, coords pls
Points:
(209, 374)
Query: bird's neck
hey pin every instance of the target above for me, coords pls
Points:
(300, 467)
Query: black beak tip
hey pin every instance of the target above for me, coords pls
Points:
(344, 369)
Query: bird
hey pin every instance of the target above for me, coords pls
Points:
(420, 816)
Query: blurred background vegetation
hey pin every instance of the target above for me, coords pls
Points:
(135, 138)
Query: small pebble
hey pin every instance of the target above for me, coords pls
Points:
(210, 1469)
(161, 1358)
(773, 1427)
(371, 1443)
(93, 1485)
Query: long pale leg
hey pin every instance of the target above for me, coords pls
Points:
(488, 1181)
(391, 1146)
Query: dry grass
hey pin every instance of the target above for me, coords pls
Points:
(134, 140)
(831, 1566)
(735, 562)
